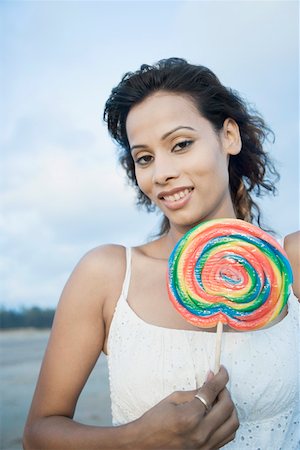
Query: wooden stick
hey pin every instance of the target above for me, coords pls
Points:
(218, 346)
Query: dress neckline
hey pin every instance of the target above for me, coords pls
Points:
(183, 331)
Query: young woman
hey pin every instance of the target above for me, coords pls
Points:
(191, 148)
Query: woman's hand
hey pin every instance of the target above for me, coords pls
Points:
(181, 421)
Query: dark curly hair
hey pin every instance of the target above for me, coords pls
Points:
(250, 172)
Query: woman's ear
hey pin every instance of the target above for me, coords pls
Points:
(231, 138)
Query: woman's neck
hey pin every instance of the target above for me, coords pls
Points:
(175, 233)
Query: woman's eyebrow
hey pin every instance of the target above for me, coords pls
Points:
(137, 146)
(164, 136)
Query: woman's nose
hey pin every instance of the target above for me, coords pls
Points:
(164, 170)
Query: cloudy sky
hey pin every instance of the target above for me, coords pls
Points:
(62, 191)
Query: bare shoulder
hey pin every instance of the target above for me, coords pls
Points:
(292, 238)
(98, 257)
(94, 281)
(95, 278)
(101, 265)
(292, 248)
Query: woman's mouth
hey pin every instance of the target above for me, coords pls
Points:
(176, 199)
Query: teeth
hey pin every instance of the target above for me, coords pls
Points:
(177, 196)
(170, 198)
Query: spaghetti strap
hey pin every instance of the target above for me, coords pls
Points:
(127, 274)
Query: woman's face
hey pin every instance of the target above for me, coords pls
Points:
(181, 163)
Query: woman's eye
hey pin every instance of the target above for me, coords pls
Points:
(143, 160)
(182, 145)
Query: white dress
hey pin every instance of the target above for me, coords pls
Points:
(148, 362)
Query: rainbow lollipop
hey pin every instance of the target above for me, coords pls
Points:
(229, 271)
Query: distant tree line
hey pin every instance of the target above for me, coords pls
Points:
(33, 317)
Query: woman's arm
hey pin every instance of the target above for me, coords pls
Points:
(76, 340)
(75, 343)
(292, 248)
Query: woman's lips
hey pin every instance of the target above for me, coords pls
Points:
(176, 200)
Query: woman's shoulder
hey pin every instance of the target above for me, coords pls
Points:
(103, 261)
(293, 237)
(98, 271)
(292, 248)
(292, 245)
(103, 253)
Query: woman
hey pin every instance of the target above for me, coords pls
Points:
(192, 149)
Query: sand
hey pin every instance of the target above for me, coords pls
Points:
(21, 353)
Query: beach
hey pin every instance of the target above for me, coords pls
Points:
(21, 353)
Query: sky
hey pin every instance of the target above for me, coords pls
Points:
(61, 189)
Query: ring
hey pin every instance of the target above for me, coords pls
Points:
(204, 402)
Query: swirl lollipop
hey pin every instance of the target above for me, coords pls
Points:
(228, 271)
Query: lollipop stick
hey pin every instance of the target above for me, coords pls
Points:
(218, 346)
